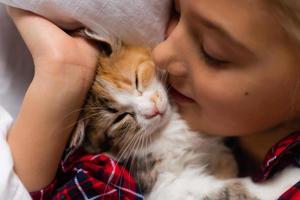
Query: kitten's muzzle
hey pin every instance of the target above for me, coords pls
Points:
(154, 113)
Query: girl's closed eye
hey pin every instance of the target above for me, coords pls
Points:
(211, 59)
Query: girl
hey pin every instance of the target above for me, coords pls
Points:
(233, 68)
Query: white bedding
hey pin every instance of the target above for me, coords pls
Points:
(134, 21)
(10, 185)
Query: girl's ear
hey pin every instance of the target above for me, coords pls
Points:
(108, 44)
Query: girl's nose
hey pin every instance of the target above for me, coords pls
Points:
(167, 56)
(163, 54)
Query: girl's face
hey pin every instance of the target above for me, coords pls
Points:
(232, 68)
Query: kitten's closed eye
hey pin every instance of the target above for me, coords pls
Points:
(145, 73)
(137, 85)
(122, 116)
(112, 110)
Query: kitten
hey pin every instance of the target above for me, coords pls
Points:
(127, 115)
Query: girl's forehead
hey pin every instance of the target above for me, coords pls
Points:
(249, 22)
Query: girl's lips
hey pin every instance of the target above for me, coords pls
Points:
(179, 97)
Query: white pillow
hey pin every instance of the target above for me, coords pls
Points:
(133, 21)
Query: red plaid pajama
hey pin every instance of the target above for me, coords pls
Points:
(284, 153)
(86, 176)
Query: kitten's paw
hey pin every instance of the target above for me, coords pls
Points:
(235, 190)
(190, 185)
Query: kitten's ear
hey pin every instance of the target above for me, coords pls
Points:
(78, 135)
(106, 42)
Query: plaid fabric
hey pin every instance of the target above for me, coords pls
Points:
(86, 176)
(284, 153)
(292, 194)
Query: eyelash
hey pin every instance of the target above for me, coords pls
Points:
(210, 60)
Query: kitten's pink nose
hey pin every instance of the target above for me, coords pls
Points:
(154, 113)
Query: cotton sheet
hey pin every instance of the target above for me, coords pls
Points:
(133, 21)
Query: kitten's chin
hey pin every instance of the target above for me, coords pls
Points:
(153, 125)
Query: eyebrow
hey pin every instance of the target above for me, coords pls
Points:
(220, 29)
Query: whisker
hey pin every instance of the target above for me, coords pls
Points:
(80, 110)
(146, 150)
(125, 147)
(85, 118)
(134, 156)
(129, 146)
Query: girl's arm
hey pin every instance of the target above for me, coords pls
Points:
(64, 70)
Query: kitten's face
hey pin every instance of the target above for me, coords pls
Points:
(134, 102)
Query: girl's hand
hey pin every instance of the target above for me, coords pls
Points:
(64, 70)
(56, 54)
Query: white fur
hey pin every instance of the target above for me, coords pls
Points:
(276, 186)
(183, 170)
(183, 177)
(193, 184)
